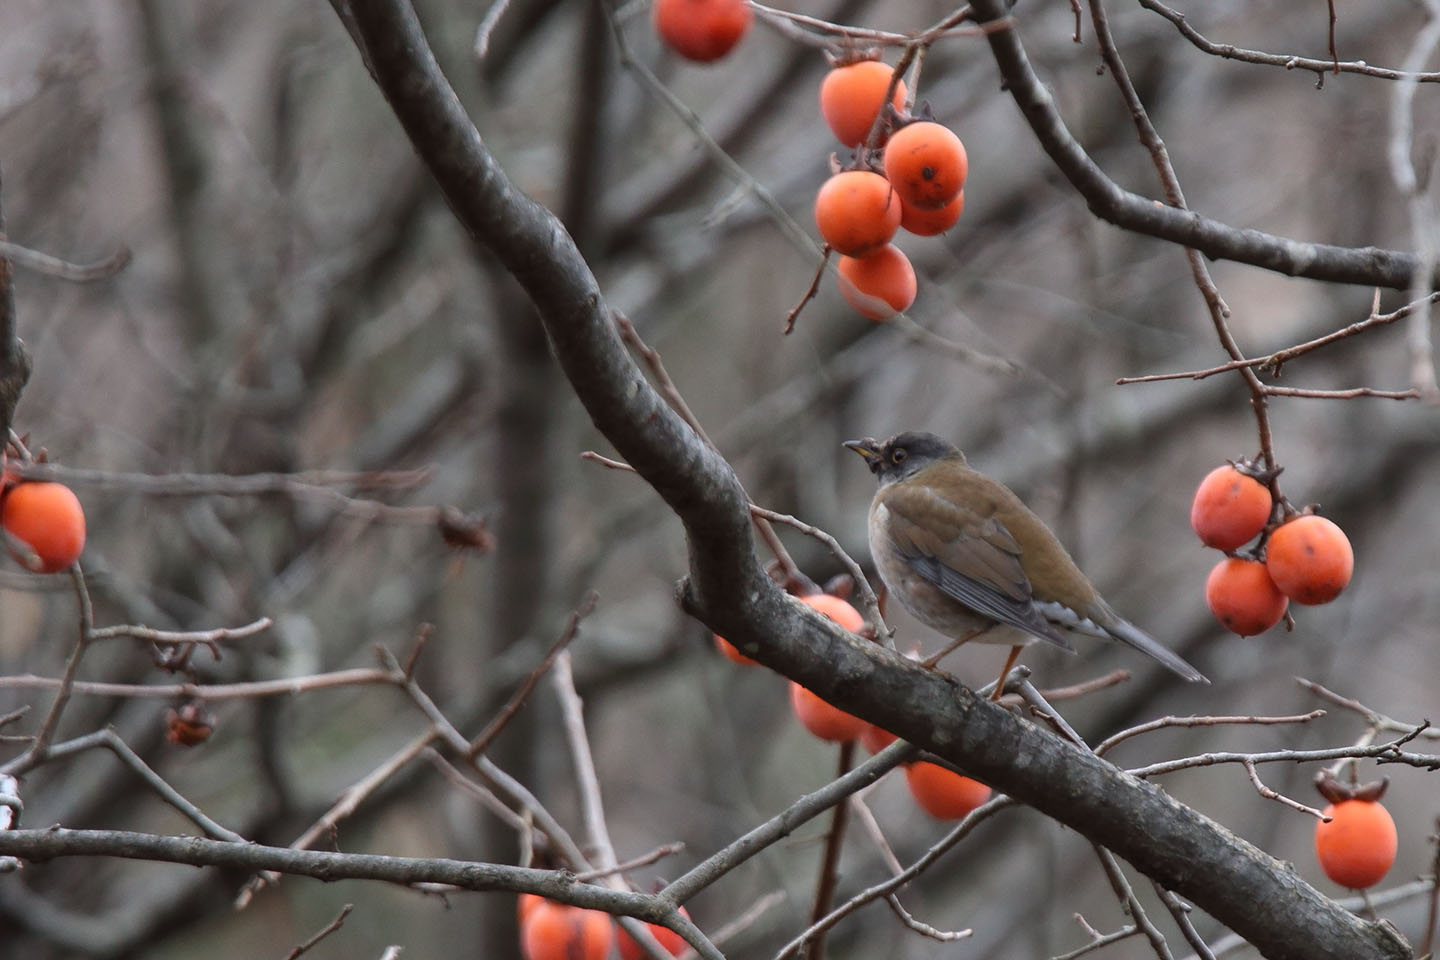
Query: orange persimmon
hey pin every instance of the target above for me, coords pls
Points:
(1310, 559)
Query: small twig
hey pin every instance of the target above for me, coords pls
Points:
(922, 928)
(1270, 794)
(178, 637)
(1131, 903)
(1433, 910)
(253, 690)
(484, 795)
(334, 925)
(349, 801)
(959, 832)
(1372, 717)
(830, 862)
(1180, 912)
(1098, 941)
(522, 692)
(1203, 721)
(659, 853)
(487, 27)
(810, 292)
(55, 267)
(37, 751)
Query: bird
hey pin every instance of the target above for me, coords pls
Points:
(970, 560)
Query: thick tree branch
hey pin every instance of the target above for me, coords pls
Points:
(1235, 882)
(1371, 266)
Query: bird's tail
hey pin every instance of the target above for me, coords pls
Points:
(1126, 632)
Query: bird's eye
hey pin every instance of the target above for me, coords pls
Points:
(898, 455)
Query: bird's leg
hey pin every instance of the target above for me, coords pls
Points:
(1005, 671)
(929, 662)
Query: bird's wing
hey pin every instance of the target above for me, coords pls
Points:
(970, 558)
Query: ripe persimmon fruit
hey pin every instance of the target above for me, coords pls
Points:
(673, 943)
(1310, 559)
(558, 931)
(926, 164)
(1243, 597)
(1230, 508)
(856, 212)
(731, 652)
(1356, 848)
(48, 519)
(942, 793)
(875, 739)
(702, 30)
(852, 96)
(931, 223)
(819, 717)
(822, 719)
(880, 284)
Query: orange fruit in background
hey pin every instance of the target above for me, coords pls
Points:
(942, 793)
(880, 284)
(819, 717)
(834, 608)
(47, 518)
(673, 943)
(926, 164)
(1243, 597)
(1310, 559)
(856, 212)
(1357, 847)
(1230, 508)
(852, 96)
(558, 931)
(875, 739)
(823, 720)
(931, 223)
(701, 30)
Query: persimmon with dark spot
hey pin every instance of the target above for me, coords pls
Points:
(1230, 508)
(856, 212)
(926, 164)
(1243, 597)
(1310, 559)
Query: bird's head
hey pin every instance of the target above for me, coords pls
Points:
(903, 455)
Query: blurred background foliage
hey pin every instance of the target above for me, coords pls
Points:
(301, 298)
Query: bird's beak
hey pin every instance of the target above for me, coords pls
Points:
(866, 448)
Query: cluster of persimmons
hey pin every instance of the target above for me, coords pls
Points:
(940, 792)
(907, 172)
(1301, 556)
(558, 931)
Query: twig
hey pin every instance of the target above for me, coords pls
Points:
(1099, 940)
(959, 832)
(55, 267)
(780, 826)
(487, 27)
(349, 801)
(830, 861)
(1180, 912)
(41, 744)
(252, 690)
(1432, 911)
(659, 853)
(1270, 794)
(522, 692)
(330, 928)
(1131, 903)
(1204, 721)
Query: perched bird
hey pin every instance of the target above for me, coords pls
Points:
(964, 555)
